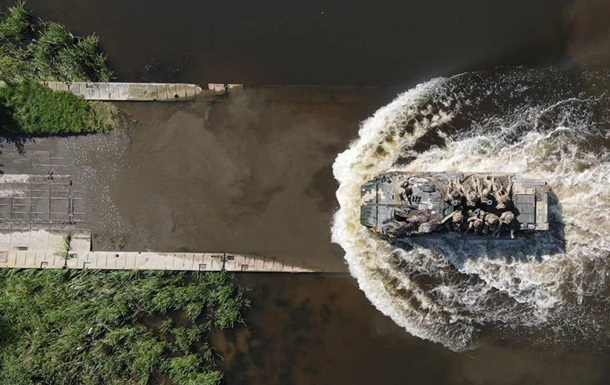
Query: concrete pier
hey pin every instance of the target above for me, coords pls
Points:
(148, 92)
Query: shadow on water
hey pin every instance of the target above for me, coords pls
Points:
(16, 141)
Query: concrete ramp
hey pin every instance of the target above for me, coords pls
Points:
(38, 211)
(42, 239)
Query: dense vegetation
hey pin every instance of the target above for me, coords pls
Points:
(46, 50)
(34, 50)
(93, 328)
(34, 109)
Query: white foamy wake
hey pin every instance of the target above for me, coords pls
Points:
(446, 291)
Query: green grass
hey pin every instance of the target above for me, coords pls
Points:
(81, 327)
(33, 109)
(33, 50)
(65, 253)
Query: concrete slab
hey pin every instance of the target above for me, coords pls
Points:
(31, 260)
(37, 239)
(246, 263)
(129, 91)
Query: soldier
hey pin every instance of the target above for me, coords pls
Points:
(389, 229)
(475, 221)
(508, 218)
(486, 191)
(492, 224)
(455, 193)
(454, 221)
(471, 194)
(424, 221)
(405, 193)
(502, 196)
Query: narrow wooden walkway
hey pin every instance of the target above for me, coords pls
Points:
(121, 260)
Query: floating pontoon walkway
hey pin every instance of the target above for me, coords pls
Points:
(146, 92)
(108, 260)
(143, 92)
(129, 91)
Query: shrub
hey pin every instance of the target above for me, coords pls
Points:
(47, 51)
(35, 50)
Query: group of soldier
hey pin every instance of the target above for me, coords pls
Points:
(483, 206)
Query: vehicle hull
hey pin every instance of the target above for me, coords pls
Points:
(402, 204)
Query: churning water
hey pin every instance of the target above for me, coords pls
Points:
(546, 123)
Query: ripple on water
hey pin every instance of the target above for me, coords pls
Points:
(544, 123)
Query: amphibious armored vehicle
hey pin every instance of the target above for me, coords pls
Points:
(402, 204)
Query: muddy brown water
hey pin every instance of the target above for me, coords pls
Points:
(243, 176)
(319, 329)
(318, 42)
(252, 176)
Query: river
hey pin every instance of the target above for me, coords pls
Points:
(256, 176)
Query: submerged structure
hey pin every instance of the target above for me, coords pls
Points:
(43, 226)
(402, 204)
